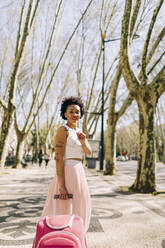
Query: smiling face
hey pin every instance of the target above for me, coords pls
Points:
(73, 113)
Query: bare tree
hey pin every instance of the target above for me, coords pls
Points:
(43, 85)
(113, 115)
(93, 98)
(9, 107)
(127, 139)
(146, 93)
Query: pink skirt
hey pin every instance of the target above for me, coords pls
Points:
(76, 184)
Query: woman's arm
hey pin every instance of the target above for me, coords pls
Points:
(60, 142)
(85, 144)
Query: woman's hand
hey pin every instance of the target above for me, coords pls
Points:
(63, 193)
(81, 137)
(84, 142)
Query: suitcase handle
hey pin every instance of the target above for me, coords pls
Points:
(70, 196)
(57, 196)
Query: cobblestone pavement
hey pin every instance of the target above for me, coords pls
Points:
(119, 219)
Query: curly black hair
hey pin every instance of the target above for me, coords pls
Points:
(69, 101)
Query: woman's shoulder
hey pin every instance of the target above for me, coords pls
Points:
(61, 135)
(62, 130)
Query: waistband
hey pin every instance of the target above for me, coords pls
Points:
(76, 159)
(69, 162)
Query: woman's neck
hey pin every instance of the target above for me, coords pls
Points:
(71, 125)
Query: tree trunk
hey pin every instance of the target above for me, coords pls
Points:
(4, 154)
(7, 121)
(145, 179)
(113, 117)
(8, 116)
(19, 150)
(110, 154)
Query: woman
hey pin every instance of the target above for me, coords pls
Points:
(70, 143)
(46, 158)
(40, 157)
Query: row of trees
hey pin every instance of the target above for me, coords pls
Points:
(32, 76)
(127, 140)
(145, 84)
(49, 64)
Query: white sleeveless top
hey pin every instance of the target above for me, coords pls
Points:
(73, 147)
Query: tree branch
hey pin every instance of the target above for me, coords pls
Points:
(129, 76)
(95, 127)
(155, 64)
(94, 78)
(113, 9)
(65, 48)
(142, 16)
(158, 83)
(21, 101)
(19, 28)
(16, 125)
(155, 45)
(3, 104)
(34, 13)
(101, 14)
(146, 44)
(19, 54)
(38, 89)
(127, 102)
(134, 17)
(114, 87)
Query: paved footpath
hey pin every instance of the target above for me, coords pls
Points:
(119, 219)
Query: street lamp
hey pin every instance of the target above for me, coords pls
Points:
(135, 36)
(102, 103)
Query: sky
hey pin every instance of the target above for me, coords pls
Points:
(71, 14)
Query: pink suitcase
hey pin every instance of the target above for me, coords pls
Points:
(60, 231)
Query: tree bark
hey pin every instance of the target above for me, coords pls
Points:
(110, 154)
(8, 116)
(111, 127)
(146, 95)
(4, 154)
(145, 178)
(113, 117)
(7, 121)
(19, 150)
